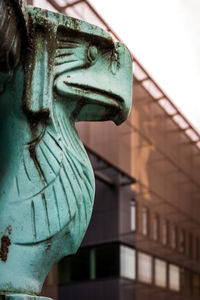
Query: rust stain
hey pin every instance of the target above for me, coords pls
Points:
(5, 243)
(9, 229)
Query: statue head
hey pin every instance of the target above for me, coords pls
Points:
(77, 62)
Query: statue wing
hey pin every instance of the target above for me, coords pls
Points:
(51, 194)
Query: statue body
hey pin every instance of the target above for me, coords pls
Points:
(71, 71)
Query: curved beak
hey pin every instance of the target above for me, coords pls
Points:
(103, 90)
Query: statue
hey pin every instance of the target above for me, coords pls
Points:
(55, 71)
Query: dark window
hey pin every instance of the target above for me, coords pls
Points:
(107, 261)
(90, 263)
(191, 246)
(173, 236)
(75, 268)
(155, 225)
(195, 284)
(182, 241)
(185, 279)
(197, 249)
(164, 232)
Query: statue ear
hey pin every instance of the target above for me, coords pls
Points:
(39, 64)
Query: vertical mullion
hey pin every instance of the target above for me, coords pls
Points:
(92, 264)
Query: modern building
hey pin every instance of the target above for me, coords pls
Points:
(143, 241)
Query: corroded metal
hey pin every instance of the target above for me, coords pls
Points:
(68, 71)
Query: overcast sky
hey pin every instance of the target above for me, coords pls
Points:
(164, 35)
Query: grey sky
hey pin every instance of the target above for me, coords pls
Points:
(165, 37)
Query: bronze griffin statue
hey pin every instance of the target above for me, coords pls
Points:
(54, 71)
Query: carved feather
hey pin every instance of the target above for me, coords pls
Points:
(46, 207)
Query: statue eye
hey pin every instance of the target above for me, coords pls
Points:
(92, 53)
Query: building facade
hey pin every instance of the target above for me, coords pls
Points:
(144, 237)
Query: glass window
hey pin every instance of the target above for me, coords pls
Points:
(197, 249)
(107, 261)
(87, 264)
(144, 268)
(155, 225)
(182, 241)
(191, 246)
(173, 236)
(92, 264)
(145, 220)
(75, 268)
(133, 215)
(160, 273)
(185, 281)
(174, 278)
(196, 284)
(127, 262)
(164, 232)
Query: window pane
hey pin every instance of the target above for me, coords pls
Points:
(185, 278)
(133, 215)
(127, 262)
(144, 268)
(195, 284)
(160, 273)
(107, 261)
(75, 268)
(191, 246)
(145, 217)
(64, 275)
(182, 241)
(164, 232)
(197, 249)
(174, 278)
(173, 236)
(155, 227)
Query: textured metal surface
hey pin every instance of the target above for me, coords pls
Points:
(71, 71)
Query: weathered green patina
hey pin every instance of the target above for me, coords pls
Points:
(64, 71)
